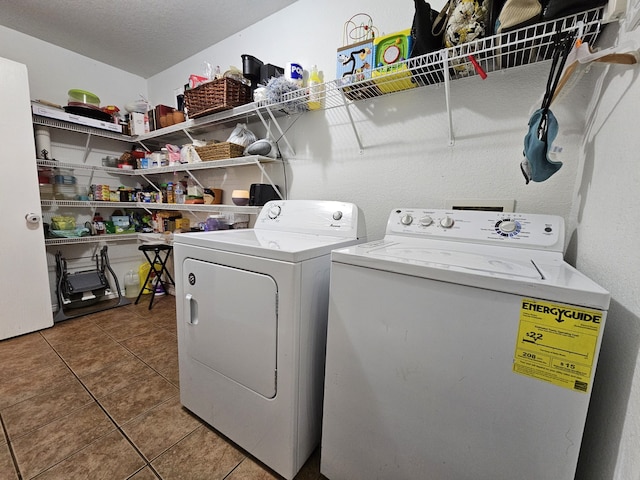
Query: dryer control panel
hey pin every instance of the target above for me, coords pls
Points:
(318, 217)
(525, 230)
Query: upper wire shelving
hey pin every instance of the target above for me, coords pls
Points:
(517, 48)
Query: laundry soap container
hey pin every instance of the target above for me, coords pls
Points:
(131, 284)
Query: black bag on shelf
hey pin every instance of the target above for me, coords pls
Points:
(427, 70)
(552, 9)
(424, 40)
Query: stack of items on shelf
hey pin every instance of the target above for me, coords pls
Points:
(369, 65)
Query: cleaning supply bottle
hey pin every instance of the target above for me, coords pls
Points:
(131, 284)
(170, 194)
(98, 224)
(316, 89)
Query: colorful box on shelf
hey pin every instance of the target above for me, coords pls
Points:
(355, 62)
(354, 65)
(50, 112)
(390, 53)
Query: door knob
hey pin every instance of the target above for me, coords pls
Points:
(32, 218)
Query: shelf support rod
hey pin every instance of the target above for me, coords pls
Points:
(184, 130)
(264, 172)
(86, 148)
(152, 184)
(353, 125)
(447, 92)
(194, 179)
(273, 118)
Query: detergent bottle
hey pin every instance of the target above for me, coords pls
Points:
(316, 89)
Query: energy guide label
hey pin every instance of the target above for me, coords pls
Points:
(557, 343)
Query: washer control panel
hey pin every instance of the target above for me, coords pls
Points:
(475, 226)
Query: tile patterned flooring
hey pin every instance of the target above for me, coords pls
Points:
(97, 397)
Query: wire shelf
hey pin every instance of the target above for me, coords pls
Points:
(76, 127)
(183, 167)
(112, 237)
(495, 53)
(191, 207)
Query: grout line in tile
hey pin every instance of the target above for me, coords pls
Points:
(105, 412)
(10, 448)
(175, 443)
(95, 400)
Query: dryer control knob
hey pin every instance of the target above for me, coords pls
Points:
(406, 219)
(337, 215)
(426, 221)
(447, 222)
(508, 226)
(274, 211)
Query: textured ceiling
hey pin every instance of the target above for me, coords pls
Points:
(138, 36)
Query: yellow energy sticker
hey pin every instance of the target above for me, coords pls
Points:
(557, 343)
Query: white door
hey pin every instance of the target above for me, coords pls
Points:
(24, 282)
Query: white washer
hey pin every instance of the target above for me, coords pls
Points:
(252, 313)
(459, 347)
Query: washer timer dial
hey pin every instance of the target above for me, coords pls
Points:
(274, 211)
(507, 227)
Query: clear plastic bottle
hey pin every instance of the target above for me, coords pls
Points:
(316, 89)
(131, 284)
(179, 193)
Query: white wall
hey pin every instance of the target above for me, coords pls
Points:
(406, 160)
(605, 247)
(52, 72)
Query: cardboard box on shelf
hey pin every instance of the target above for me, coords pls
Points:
(138, 123)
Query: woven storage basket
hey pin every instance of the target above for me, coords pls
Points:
(220, 151)
(215, 96)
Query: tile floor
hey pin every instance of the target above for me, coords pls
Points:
(97, 398)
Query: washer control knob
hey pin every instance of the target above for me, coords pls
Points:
(447, 222)
(426, 221)
(508, 226)
(406, 219)
(274, 211)
(337, 215)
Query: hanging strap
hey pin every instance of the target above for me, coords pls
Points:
(561, 48)
(441, 20)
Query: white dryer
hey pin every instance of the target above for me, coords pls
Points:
(252, 312)
(459, 347)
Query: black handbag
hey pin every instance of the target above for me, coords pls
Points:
(423, 39)
(561, 8)
(425, 70)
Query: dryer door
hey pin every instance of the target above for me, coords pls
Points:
(232, 321)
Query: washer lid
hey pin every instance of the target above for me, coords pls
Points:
(470, 261)
(285, 246)
(532, 273)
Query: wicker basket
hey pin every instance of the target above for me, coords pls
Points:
(219, 151)
(215, 96)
